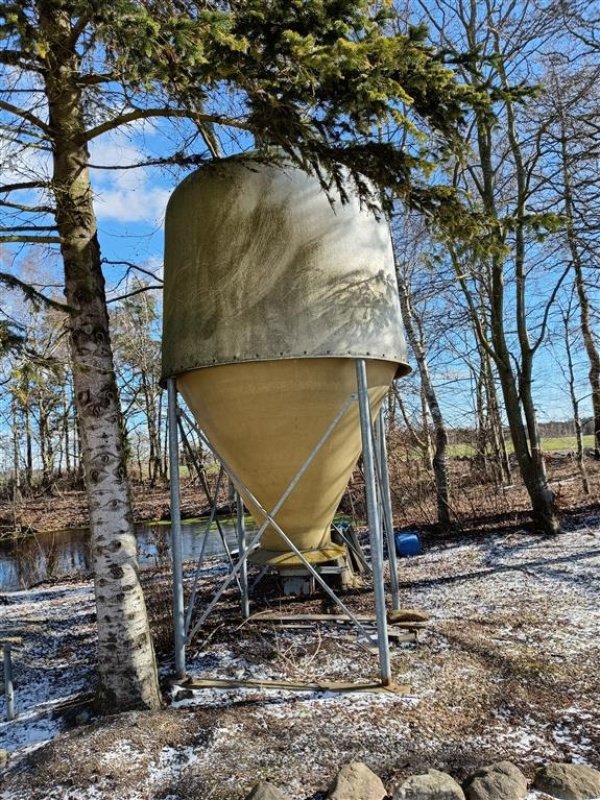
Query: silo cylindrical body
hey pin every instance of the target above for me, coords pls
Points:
(272, 290)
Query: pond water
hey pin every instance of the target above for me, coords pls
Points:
(60, 554)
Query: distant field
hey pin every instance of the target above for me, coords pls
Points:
(549, 445)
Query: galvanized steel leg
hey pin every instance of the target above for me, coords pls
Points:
(9, 691)
(241, 535)
(375, 535)
(386, 502)
(176, 546)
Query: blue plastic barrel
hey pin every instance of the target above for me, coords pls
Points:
(408, 544)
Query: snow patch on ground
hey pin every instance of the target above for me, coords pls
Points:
(507, 669)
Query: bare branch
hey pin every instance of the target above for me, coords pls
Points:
(26, 115)
(94, 80)
(17, 239)
(549, 306)
(13, 187)
(147, 113)
(29, 209)
(131, 266)
(28, 228)
(178, 159)
(141, 290)
(31, 293)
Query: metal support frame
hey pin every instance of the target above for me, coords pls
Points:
(176, 545)
(386, 504)
(270, 520)
(241, 537)
(375, 533)
(376, 478)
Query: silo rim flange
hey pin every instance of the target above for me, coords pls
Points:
(402, 369)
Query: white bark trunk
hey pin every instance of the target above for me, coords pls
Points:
(127, 675)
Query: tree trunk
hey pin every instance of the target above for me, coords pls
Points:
(65, 432)
(150, 410)
(46, 454)
(529, 455)
(585, 483)
(580, 285)
(518, 400)
(495, 423)
(481, 425)
(440, 461)
(16, 467)
(127, 674)
(28, 445)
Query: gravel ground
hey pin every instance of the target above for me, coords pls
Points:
(507, 668)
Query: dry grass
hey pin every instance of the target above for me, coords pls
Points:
(507, 669)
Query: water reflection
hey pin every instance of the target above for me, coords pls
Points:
(51, 556)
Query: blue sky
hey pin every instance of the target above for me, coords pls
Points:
(130, 206)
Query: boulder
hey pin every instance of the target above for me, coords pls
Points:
(266, 791)
(434, 785)
(4, 756)
(355, 781)
(568, 781)
(496, 782)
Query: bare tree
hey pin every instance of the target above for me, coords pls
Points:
(407, 261)
(501, 42)
(571, 111)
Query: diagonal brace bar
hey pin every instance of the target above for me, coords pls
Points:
(269, 520)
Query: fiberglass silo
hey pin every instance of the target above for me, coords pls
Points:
(271, 293)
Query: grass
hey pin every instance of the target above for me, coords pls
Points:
(551, 444)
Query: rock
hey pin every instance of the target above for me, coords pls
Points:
(4, 756)
(407, 615)
(266, 791)
(183, 694)
(496, 782)
(568, 781)
(355, 781)
(434, 785)
(83, 718)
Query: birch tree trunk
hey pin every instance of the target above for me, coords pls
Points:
(580, 456)
(440, 459)
(127, 675)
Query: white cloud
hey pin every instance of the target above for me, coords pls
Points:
(146, 203)
(129, 195)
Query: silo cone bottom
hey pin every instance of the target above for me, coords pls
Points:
(264, 419)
